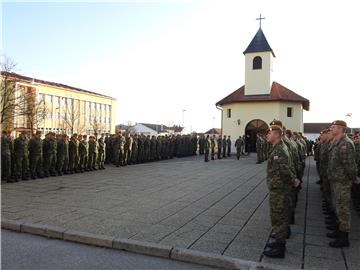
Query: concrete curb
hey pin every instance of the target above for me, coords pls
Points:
(146, 248)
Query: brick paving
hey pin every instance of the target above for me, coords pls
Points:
(219, 207)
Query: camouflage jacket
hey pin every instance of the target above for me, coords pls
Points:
(5, 146)
(342, 166)
(21, 146)
(357, 149)
(73, 148)
(35, 146)
(279, 174)
(324, 158)
(238, 143)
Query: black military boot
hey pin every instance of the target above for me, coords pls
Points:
(342, 240)
(277, 251)
(331, 227)
(333, 234)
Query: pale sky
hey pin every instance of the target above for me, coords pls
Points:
(158, 58)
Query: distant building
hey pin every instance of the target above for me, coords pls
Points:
(151, 129)
(67, 109)
(251, 108)
(312, 130)
(214, 131)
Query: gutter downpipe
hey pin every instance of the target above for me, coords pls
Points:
(219, 108)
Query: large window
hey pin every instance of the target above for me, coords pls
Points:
(257, 62)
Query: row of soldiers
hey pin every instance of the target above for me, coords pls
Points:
(128, 149)
(285, 156)
(211, 145)
(337, 157)
(263, 147)
(57, 154)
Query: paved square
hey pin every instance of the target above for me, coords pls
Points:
(219, 207)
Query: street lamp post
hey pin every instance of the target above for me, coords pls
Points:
(183, 113)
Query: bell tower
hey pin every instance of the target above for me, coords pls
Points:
(258, 65)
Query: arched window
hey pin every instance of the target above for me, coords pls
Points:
(257, 62)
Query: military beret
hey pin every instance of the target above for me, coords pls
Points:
(339, 123)
(288, 131)
(325, 131)
(274, 127)
(276, 122)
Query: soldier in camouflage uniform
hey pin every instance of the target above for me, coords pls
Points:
(5, 157)
(201, 144)
(207, 148)
(73, 152)
(47, 155)
(36, 156)
(279, 181)
(228, 146)
(356, 188)
(83, 154)
(341, 172)
(153, 148)
(134, 156)
(65, 168)
(53, 149)
(108, 149)
(128, 148)
(219, 147)
(102, 152)
(121, 151)
(21, 157)
(223, 143)
(93, 153)
(259, 149)
(60, 154)
(238, 144)
(212, 145)
(324, 146)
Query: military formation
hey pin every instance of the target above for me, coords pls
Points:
(217, 147)
(27, 158)
(129, 149)
(337, 157)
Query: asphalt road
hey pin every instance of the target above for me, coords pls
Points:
(25, 251)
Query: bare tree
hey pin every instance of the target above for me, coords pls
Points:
(96, 125)
(9, 100)
(71, 117)
(33, 109)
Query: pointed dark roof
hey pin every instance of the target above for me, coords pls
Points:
(277, 93)
(259, 44)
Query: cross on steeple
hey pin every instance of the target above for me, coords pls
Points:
(260, 18)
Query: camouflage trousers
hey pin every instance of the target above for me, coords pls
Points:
(21, 166)
(48, 162)
(278, 199)
(35, 165)
(92, 160)
(5, 167)
(341, 197)
(83, 162)
(212, 153)
(238, 153)
(326, 190)
(101, 159)
(60, 163)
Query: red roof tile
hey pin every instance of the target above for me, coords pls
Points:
(277, 93)
(30, 79)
